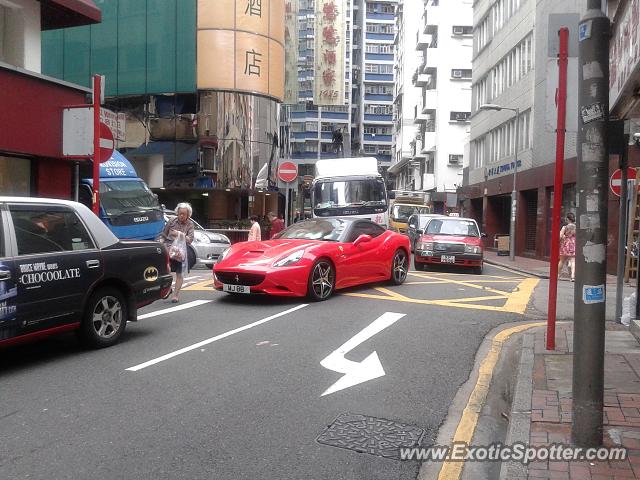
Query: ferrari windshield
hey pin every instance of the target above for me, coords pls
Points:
(451, 226)
(329, 230)
(349, 193)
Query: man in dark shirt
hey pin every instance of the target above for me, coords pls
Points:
(277, 224)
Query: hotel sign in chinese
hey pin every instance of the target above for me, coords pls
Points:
(330, 35)
(241, 46)
(291, 52)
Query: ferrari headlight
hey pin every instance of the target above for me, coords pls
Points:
(475, 250)
(223, 255)
(289, 259)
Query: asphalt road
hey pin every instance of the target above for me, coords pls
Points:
(244, 398)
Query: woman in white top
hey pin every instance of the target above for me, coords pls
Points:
(254, 233)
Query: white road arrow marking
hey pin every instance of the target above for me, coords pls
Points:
(358, 372)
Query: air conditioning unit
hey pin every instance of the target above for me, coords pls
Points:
(458, 30)
(456, 73)
(455, 159)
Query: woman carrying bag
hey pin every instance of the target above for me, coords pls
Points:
(177, 234)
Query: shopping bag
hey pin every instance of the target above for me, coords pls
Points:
(178, 249)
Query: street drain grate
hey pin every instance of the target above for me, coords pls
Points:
(372, 435)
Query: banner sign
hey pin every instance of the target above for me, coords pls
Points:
(240, 46)
(291, 52)
(328, 88)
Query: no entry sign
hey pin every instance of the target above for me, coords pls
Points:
(106, 143)
(616, 179)
(287, 172)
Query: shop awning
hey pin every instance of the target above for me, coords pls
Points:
(68, 13)
(397, 167)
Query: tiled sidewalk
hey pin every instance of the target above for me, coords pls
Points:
(551, 405)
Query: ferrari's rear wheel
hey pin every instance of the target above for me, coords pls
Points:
(321, 281)
(400, 267)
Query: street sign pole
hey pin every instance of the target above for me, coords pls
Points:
(286, 206)
(97, 89)
(622, 231)
(557, 188)
(591, 237)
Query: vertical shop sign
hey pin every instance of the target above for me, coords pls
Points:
(291, 52)
(329, 53)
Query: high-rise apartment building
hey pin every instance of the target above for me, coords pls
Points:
(515, 69)
(443, 41)
(365, 119)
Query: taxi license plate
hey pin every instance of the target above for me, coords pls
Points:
(235, 288)
(447, 259)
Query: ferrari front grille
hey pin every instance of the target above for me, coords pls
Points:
(248, 279)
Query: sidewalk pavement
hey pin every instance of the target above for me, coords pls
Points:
(530, 266)
(541, 409)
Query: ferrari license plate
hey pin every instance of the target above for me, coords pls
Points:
(447, 259)
(235, 288)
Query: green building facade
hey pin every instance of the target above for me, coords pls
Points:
(143, 47)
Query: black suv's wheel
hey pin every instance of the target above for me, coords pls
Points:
(105, 318)
(477, 270)
(399, 267)
(322, 281)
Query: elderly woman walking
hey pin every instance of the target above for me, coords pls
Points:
(179, 229)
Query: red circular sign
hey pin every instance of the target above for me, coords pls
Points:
(287, 172)
(616, 177)
(106, 143)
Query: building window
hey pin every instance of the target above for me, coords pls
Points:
(462, 30)
(378, 89)
(459, 116)
(378, 68)
(379, 48)
(461, 73)
(377, 109)
(369, 148)
(387, 28)
(482, 34)
(502, 138)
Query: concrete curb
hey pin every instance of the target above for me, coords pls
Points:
(520, 416)
(634, 328)
(516, 269)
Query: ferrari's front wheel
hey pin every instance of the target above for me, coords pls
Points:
(399, 267)
(322, 281)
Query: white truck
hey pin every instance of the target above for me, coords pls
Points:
(350, 187)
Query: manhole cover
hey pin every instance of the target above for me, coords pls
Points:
(372, 435)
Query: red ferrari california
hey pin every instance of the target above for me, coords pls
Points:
(314, 258)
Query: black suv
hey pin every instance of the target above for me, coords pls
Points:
(62, 269)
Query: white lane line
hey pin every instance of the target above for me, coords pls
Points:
(212, 339)
(195, 303)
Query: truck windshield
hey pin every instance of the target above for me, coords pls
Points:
(368, 192)
(403, 212)
(120, 196)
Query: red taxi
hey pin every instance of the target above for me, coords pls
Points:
(450, 241)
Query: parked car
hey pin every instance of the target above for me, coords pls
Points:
(450, 241)
(62, 269)
(206, 247)
(416, 225)
(314, 258)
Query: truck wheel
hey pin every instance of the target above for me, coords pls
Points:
(105, 318)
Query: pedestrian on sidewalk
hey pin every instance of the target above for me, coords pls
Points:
(178, 233)
(255, 234)
(277, 224)
(568, 247)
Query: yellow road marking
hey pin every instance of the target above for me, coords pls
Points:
(441, 282)
(205, 285)
(469, 284)
(469, 420)
(506, 269)
(390, 293)
(519, 299)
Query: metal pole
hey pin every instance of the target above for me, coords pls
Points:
(97, 88)
(286, 206)
(591, 239)
(76, 181)
(557, 187)
(622, 231)
(514, 196)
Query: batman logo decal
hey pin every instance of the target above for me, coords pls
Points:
(151, 274)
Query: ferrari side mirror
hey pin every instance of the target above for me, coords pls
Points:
(361, 239)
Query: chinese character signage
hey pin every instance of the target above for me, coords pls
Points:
(291, 52)
(241, 46)
(329, 52)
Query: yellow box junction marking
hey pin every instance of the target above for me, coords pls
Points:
(469, 420)
(205, 285)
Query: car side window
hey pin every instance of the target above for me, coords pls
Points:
(372, 229)
(43, 230)
(356, 231)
